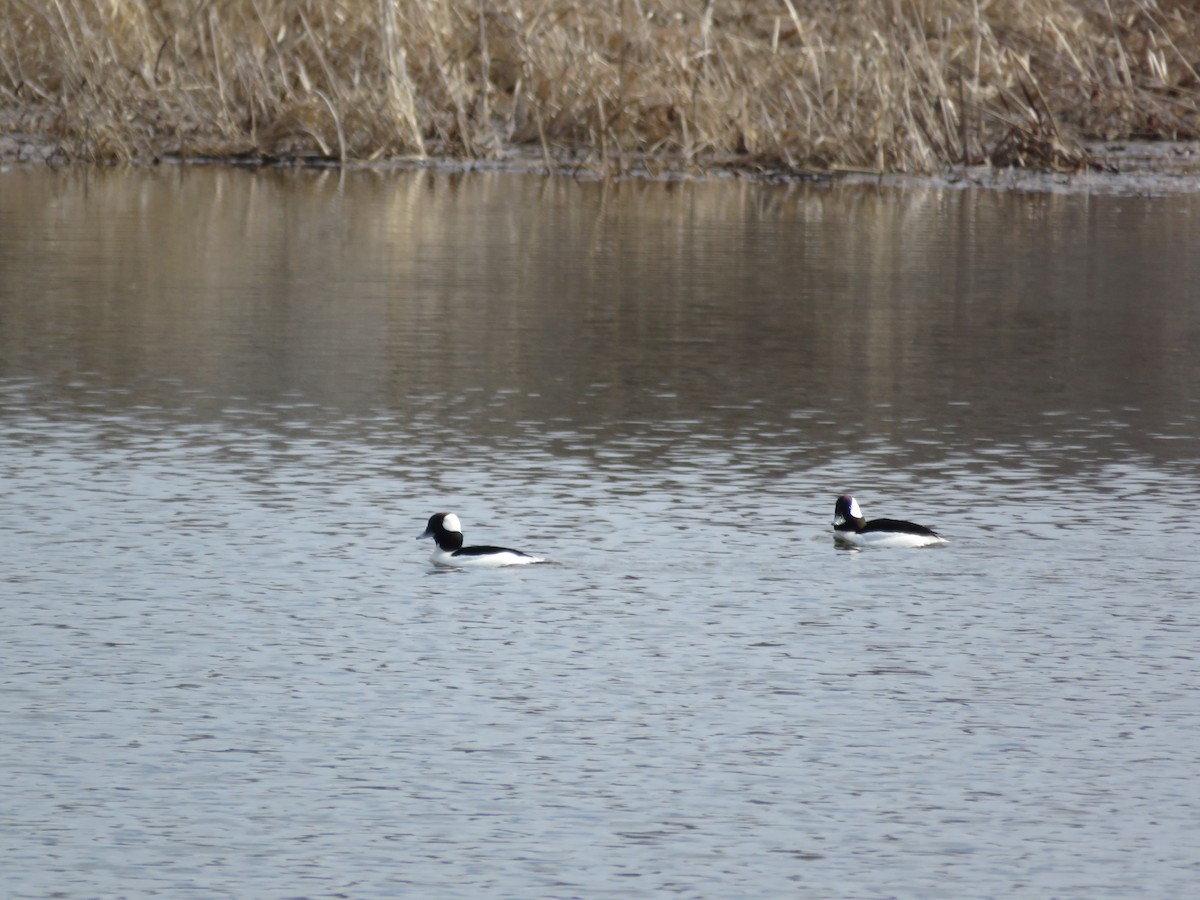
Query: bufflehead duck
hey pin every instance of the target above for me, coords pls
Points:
(849, 525)
(447, 533)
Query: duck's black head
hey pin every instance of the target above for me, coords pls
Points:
(446, 531)
(846, 514)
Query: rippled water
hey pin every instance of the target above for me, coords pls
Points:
(229, 401)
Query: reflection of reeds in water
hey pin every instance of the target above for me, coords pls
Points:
(905, 85)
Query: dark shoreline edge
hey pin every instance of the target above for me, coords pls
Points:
(1130, 168)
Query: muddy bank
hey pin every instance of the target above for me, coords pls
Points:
(1118, 167)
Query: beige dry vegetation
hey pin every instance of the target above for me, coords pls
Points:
(612, 85)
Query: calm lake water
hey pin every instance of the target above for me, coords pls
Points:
(229, 400)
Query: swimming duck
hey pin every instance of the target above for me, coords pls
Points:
(446, 531)
(850, 526)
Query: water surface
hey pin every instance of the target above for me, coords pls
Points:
(229, 400)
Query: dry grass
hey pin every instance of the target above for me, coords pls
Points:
(890, 85)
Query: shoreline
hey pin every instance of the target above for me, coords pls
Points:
(1119, 167)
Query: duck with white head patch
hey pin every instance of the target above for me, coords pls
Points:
(446, 531)
(850, 526)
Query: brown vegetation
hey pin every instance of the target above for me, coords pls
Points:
(886, 85)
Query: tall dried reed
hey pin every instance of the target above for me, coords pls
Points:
(887, 85)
